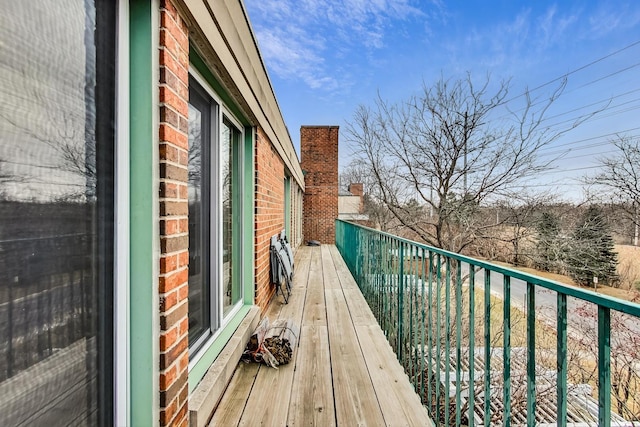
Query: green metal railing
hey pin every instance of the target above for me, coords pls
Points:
(453, 335)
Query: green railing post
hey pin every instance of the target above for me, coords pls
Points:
(472, 338)
(429, 333)
(604, 366)
(413, 300)
(379, 289)
(438, 382)
(531, 354)
(487, 347)
(447, 340)
(422, 324)
(400, 299)
(506, 372)
(561, 356)
(459, 342)
(388, 286)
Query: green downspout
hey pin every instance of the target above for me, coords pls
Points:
(287, 206)
(248, 216)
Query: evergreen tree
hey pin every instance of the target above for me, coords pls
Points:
(547, 247)
(592, 252)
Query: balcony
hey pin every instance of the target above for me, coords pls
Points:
(343, 372)
(396, 345)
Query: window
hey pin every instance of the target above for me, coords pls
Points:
(57, 213)
(215, 286)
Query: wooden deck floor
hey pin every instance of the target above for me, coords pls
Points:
(344, 373)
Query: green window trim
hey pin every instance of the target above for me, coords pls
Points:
(144, 319)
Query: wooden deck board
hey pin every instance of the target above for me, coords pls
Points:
(361, 314)
(356, 401)
(344, 371)
(342, 271)
(329, 273)
(234, 399)
(268, 402)
(400, 405)
(312, 394)
(301, 269)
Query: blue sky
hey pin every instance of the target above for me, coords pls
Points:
(327, 57)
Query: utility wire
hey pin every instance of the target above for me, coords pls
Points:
(578, 141)
(600, 101)
(564, 76)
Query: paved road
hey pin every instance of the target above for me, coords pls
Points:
(582, 316)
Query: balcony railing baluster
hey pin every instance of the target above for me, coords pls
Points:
(531, 354)
(458, 344)
(604, 362)
(423, 322)
(561, 357)
(487, 347)
(506, 349)
(447, 340)
(472, 348)
(428, 400)
(437, 338)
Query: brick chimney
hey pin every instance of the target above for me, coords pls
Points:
(319, 162)
(357, 189)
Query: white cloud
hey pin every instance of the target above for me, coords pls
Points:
(294, 35)
(291, 55)
(521, 41)
(606, 20)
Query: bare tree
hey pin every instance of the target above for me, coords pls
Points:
(620, 175)
(357, 171)
(449, 148)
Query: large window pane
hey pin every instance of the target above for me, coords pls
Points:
(57, 79)
(200, 112)
(230, 150)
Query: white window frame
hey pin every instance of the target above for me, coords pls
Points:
(218, 320)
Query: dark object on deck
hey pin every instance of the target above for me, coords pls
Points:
(313, 243)
(281, 259)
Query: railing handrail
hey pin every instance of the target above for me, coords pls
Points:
(606, 301)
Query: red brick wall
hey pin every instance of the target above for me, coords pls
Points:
(269, 212)
(319, 159)
(174, 238)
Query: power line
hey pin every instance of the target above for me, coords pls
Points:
(615, 73)
(564, 76)
(609, 99)
(590, 139)
(597, 117)
(581, 156)
(580, 148)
